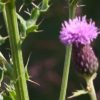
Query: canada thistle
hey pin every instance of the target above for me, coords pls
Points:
(81, 33)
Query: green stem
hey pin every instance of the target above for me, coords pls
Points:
(72, 8)
(64, 85)
(65, 73)
(91, 92)
(10, 17)
(90, 87)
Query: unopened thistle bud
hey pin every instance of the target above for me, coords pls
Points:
(84, 59)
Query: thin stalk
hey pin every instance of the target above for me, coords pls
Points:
(91, 92)
(65, 73)
(90, 87)
(64, 85)
(72, 10)
(10, 17)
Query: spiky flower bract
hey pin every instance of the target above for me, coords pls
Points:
(78, 30)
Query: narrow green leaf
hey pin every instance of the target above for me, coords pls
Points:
(35, 13)
(22, 25)
(78, 93)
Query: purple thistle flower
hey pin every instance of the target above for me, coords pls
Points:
(78, 30)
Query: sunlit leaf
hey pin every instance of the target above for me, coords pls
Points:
(35, 13)
(78, 93)
(1, 97)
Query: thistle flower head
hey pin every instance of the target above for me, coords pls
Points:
(78, 30)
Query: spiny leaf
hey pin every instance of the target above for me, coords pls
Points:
(78, 93)
(35, 14)
(11, 90)
(7, 67)
(22, 25)
(27, 74)
(44, 5)
(28, 26)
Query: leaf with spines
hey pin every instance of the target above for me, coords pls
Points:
(31, 23)
(5, 66)
(11, 91)
(44, 5)
(35, 13)
(78, 93)
(22, 25)
(27, 26)
(27, 74)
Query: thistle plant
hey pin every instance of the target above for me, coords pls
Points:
(16, 88)
(72, 10)
(80, 33)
